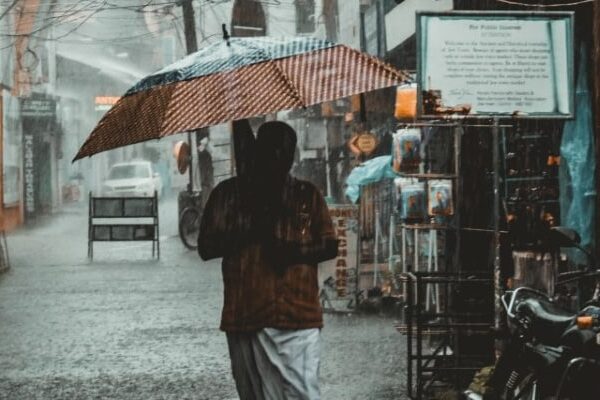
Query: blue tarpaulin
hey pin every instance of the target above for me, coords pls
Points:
(577, 182)
(374, 170)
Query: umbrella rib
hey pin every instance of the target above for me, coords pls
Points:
(289, 83)
(285, 78)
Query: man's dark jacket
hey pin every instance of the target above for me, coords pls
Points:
(270, 256)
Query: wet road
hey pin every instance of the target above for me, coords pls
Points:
(127, 327)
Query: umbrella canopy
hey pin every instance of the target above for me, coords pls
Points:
(235, 79)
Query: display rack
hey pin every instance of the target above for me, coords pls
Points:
(435, 322)
(444, 362)
(431, 228)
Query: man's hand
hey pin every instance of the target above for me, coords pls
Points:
(286, 253)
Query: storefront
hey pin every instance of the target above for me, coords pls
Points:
(512, 182)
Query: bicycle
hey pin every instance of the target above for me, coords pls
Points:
(4, 260)
(189, 220)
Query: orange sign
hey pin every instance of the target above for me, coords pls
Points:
(182, 151)
(104, 103)
(106, 100)
(363, 143)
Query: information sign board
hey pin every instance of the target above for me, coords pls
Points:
(496, 63)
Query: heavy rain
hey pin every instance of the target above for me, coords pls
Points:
(299, 199)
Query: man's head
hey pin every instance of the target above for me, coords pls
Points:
(276, 145)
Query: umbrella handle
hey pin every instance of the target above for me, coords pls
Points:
(225, 33)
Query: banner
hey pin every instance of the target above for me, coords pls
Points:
(338, 277)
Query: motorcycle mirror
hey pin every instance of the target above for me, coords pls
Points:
(565, 237)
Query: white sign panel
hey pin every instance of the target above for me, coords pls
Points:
(338, 277)
(400, 21)
(349, 17)
(371, 30)
(11, 151)
(507, 63)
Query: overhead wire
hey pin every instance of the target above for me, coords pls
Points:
(78, 25)
(10, 7)
(92, 8)
(64, 13)
(32, 33)
(68, 14)
(573, 3)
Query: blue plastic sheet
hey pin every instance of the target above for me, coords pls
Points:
(374, 170)
(577, 181)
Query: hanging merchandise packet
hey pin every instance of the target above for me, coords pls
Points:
(407, 150)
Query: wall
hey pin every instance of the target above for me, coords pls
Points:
(11, 192)
(280, 20)
(11, 215)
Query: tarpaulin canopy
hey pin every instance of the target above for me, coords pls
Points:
(374, 170)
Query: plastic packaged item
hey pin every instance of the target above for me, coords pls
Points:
(407, 150)
(406, 102)
(181, 152)
(411, 198)
(440, 198)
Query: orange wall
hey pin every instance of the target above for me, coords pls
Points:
(12, 218)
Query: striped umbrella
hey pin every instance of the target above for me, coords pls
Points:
(235, 79)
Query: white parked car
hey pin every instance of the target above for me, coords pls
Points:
(132, 179)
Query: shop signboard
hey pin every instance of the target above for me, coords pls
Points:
(517, 64)
(29, 168)
(38, 107)
(104, 103)
(338, 277)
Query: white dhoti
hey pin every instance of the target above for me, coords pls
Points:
(274, 364)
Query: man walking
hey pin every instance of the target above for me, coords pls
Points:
(271, 230)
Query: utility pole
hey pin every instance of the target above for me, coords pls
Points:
(191, 44)
(189, 26)
(205, 169)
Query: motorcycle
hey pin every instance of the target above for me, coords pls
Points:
(550, 353)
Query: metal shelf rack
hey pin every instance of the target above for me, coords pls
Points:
(436, 323)
(445, 362)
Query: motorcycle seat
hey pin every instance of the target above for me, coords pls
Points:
(548, 322)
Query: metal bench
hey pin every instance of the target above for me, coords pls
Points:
(123, 219)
